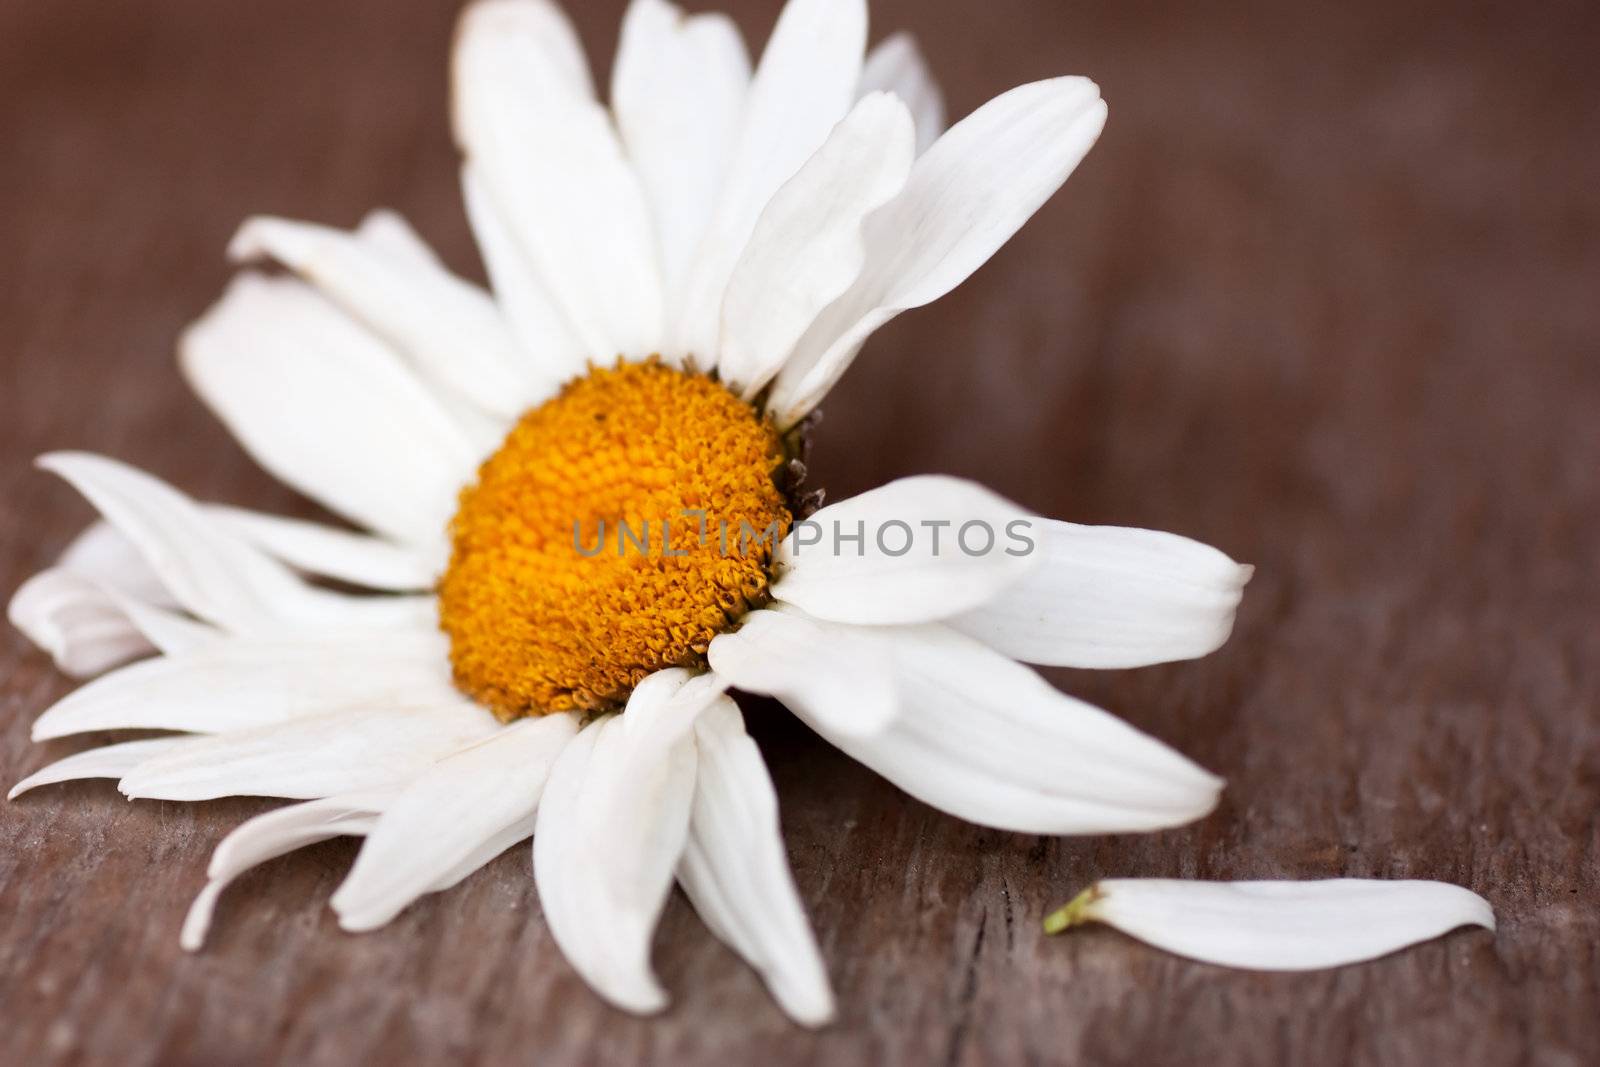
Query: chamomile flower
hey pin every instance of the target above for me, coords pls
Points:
(585, 513)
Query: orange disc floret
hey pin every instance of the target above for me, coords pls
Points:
(602, 542)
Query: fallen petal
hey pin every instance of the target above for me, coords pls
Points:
(1276, 926)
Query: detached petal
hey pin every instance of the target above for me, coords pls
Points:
(1108, 596)
(987, 740)
(678, 90)
(1277, 926)
(840, 675)
(896, 66)
(441, 820)
(804, 84)
(966, 196)
(736, 874)
(806, 248)
(914, 550)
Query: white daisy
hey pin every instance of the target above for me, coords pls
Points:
(677, 283)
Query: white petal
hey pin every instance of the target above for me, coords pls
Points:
(839, 674)
(986, 739)
(210, 571)
(514, 834)
(609, 959)
(896, 66)
(735, 871)
(1278, 926)
(214, 573)
(535, 34)
(552, 164)
(806, 247)
(313, 755)
(241, 683)
(451, 329)
(388, 232)
(673, 700)
(1109, 596)
(316, 548)
(70, 612)
(104, 605)
(611, 828)
(525, 301)
(328, 408)
(930, 547)
(169, 632)
(94, 619)
(678, 90)
(274, 834)
(103, 587)
(76, 621)
(107, 761)
(966, 196)
(804, 84)
(557, 856)
(104, 554)
(441, 820)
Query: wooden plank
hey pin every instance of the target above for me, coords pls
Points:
(1324, 296)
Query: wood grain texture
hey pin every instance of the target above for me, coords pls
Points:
(1324, 296)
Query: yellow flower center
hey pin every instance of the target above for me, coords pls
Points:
(622, 525)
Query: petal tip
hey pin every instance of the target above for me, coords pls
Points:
(814, 1017)
(246, 244)
(196, 924)
(356, 922)
(57, 462)
(643, 998)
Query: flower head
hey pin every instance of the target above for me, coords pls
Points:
(566, 587)
(585, 521)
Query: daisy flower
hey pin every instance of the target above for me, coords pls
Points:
(538, 630)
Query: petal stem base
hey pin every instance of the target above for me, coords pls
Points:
(1074, 912)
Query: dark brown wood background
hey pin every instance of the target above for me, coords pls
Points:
(1327, 295)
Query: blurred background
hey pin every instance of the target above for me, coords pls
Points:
(1326, 295)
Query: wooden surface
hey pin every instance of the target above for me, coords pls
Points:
(1327, 295)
